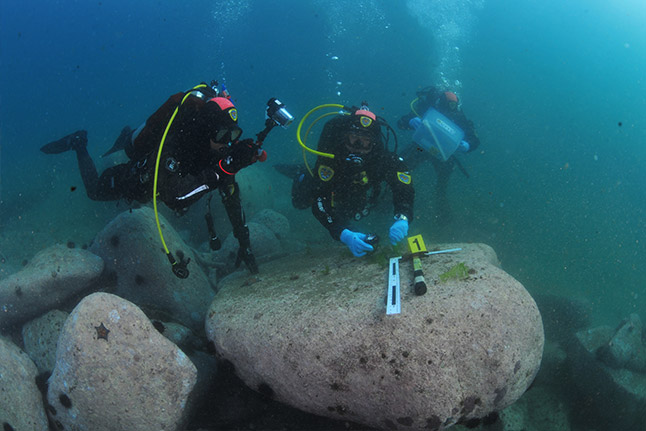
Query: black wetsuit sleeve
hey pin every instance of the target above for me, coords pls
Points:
(403, 122)
(180, 192)
(323, 202)
(325, 214)
(469, 130)
(400, 181)
(323, 191)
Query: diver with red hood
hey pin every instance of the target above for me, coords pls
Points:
(441, 132)
(189, 147)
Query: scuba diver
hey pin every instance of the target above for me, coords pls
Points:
(441, 131)
(189, 147)
(346, 181)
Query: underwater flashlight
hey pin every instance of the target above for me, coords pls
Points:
(276, 111)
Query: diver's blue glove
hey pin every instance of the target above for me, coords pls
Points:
(398, 231)
(355, 242)
(463, 147)
(415, 122)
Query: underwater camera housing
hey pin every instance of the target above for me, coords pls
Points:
(278, 113)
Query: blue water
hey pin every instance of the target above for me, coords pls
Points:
(556, 90)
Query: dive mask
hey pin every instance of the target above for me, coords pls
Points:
(360, 143)
(229, 134)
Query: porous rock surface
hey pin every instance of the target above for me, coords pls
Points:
(276, 222)
(114, 371)
(537, 410)
(39, 337)
(132, 250)
(55, 276)
(264, 245)
(312, 332)
(21, 404)
(623, 403)
(269, 234)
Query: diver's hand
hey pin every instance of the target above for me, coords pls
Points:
(463, 147)
(245, 255)
(415, 122)
(403, 122)
(355, 242)
(242, 154)
(398, 231)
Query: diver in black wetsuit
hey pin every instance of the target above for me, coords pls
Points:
(201, 152)
(447, 103)
(344, 187)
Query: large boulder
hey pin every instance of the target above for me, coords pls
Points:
(131, 248)
(264, 245)
(276, 222)
(539, 409)
(595, 371)
(269, 234)
(114, 371)
(40, 336)
(627, 347)
(312, 332)
(21, 403)
(53, 278)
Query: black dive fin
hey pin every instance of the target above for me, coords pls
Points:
(123, 141)
(69, 142)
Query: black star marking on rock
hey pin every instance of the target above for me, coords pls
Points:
(102, 332)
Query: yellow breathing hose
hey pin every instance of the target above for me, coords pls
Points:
(307, 133)
(155, 181)
(412, 106)
(300, 126)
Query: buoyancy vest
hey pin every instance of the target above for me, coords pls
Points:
(150, 136)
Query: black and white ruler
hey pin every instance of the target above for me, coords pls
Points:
(393, 304)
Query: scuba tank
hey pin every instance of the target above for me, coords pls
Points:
(148, 139)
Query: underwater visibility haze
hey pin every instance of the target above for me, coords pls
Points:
(556, 91)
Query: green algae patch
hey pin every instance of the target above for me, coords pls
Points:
(458, 272)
